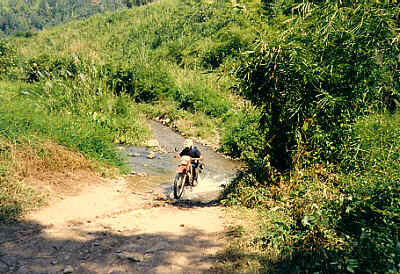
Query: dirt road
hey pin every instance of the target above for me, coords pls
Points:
(111, 227)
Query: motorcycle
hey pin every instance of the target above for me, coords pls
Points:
(184, 175)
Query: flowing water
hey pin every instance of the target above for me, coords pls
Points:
(157, 174)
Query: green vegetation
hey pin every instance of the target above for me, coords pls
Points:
(85, 85)
(82, 116)
(22, 18)
(322, 220)
(304, 92)
(152, 53)
(87, 122)
(325, 157)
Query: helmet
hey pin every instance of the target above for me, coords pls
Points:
(188, 143)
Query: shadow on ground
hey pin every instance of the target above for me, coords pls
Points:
(26, 247)
(187, 203)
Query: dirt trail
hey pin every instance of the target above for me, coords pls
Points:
(112, 228)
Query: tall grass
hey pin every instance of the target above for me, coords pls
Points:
(40, 124)
(163, 40)
(63, 113)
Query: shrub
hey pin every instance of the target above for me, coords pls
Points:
(346, 223)
(50, 67)
(144, 84)
(242, 137)
(196, 97)
(8, 58)
(227, 43)
(331, 66)
(370, 214)
(25, 34)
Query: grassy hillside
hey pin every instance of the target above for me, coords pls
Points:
(179, 60)
(21, 17)
(88, 84)
(304, 92)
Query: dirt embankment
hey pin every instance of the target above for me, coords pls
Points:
(110, 227)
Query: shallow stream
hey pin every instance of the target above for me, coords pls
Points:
(157, 173)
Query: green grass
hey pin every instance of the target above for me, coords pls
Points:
(89, 124)
(165, 38)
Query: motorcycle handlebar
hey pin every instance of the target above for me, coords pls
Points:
(178, 157)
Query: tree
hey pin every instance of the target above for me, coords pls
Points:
(334, 63)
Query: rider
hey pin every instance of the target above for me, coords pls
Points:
(192, 151)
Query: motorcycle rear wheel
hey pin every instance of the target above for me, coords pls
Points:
(179, 185)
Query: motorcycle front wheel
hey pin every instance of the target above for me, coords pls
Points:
(179, 185)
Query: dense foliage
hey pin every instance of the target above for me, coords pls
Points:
(8, 58)
(332, 63)
(370, 213)
(20, 17)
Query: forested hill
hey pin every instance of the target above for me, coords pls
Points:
(22, 16)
